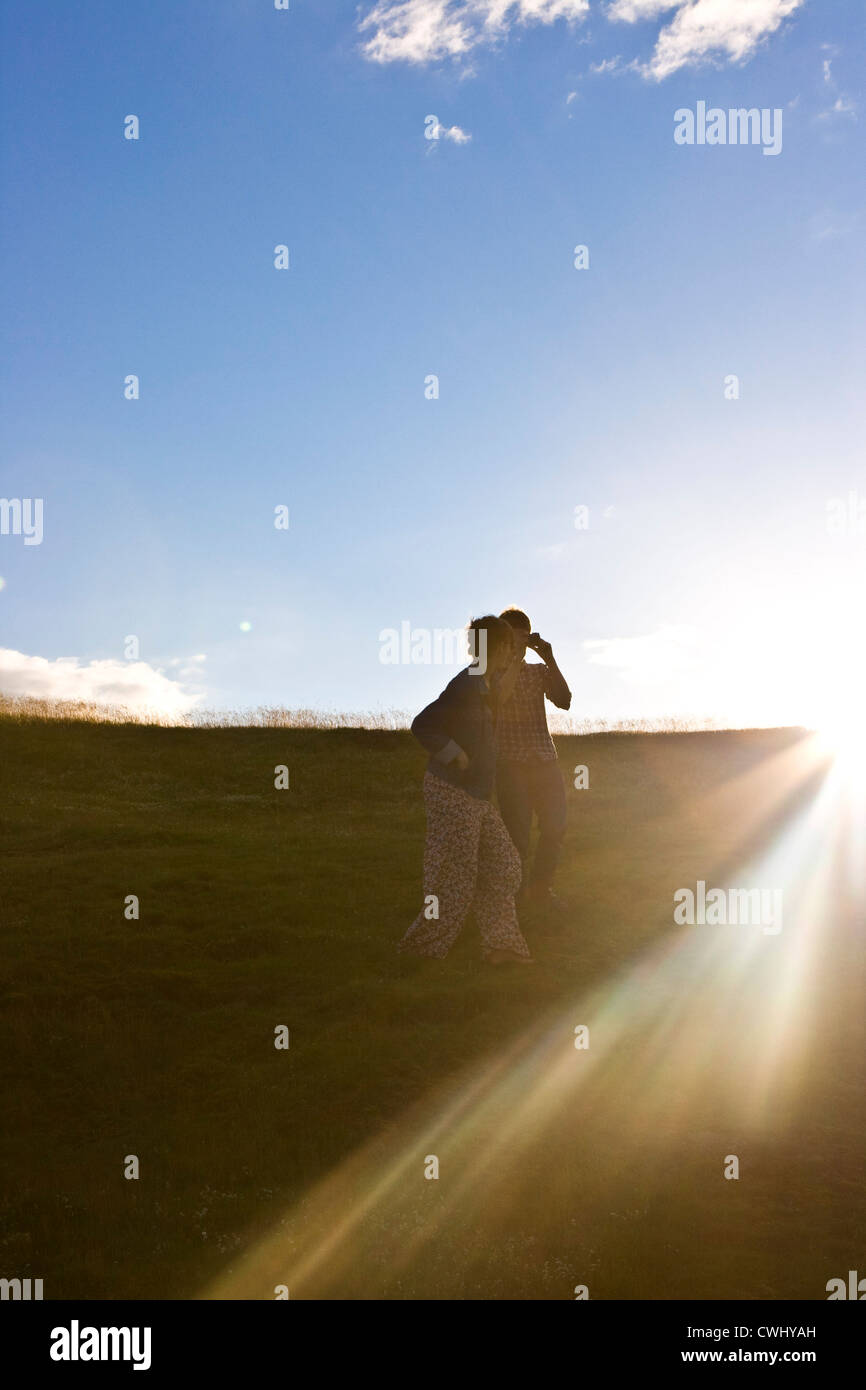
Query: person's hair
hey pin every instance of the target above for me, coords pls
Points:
(516, 617)
(497, 634)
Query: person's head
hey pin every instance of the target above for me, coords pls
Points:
(521, 628)
(491, 644)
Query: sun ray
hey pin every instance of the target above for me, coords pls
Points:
(723, 1009)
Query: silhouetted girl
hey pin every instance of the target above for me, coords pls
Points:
(469, 859)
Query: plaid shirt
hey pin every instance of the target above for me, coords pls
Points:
(521, 729)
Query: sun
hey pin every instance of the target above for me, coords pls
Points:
(841, 730)
(832, 682)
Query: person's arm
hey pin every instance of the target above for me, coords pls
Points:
(555, 685)
(431, 726)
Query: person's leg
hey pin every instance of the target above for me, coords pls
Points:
(498, 880)
(450, 868)
(515, 806)
(549, 802)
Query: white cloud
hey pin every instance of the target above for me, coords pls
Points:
(632, 10)
(452, 132)
(427, 31)
(646, 660)
(698, 31)
(828, 225)
(842, 106)
(134, 684)
(704, 29)
(607, 65)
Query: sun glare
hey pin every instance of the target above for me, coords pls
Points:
(841, 729)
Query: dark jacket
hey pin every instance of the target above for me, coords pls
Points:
(461, 718)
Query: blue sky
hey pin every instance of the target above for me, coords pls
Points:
(709, 580)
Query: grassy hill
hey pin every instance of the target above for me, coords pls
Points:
(261, 907)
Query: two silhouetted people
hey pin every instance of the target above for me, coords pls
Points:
(488, 729)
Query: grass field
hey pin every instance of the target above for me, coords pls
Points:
(558, 1167)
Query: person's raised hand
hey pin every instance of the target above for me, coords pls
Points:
(538, 645)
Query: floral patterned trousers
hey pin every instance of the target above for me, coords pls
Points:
(469, 863)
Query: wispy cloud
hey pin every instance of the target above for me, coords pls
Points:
(428, 31)
(843, 105)
(698, 31)
(827, 225)
(649, 659)
(134, 684)
(450, 132)
(704, 30)
(633, 10)
(608, 65)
